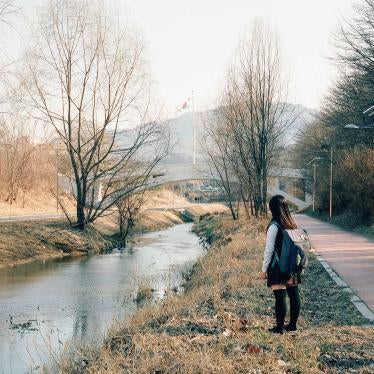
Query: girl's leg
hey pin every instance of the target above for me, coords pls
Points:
(280, 307)
(295, 305)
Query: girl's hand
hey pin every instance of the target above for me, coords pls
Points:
(263, 275)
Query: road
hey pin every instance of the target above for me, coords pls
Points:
(350, 255)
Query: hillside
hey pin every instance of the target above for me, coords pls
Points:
(181, 128)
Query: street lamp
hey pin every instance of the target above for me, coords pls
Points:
(325, 146)
(313, 161)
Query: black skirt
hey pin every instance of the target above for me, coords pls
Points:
(275, 276)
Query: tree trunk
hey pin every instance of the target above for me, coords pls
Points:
(245, 204)
(264, 193)
(252, 205)
(81, 219)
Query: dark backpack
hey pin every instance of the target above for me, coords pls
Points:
(294, 252)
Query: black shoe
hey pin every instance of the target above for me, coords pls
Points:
(290, 328)
(276, 330)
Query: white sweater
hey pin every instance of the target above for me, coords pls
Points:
(269, 246)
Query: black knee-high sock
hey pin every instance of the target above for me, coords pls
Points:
(280, 307)
(295, 304)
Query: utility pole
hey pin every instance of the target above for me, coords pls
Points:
(193, 130)
(313, 162)
(314, 186)
(331, 179)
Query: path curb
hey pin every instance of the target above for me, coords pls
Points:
(356, 301)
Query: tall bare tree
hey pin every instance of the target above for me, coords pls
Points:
(355, 41)
(216, 146)
(256, 110)
(89, 81)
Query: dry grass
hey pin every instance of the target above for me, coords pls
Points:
(158, 212)
(163, 197)
(144, 293)
(160, 219)
(35, 202)
(39, 240)
(219, 324)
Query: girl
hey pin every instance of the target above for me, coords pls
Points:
(279, 282)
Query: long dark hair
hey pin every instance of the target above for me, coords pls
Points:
(279, 209)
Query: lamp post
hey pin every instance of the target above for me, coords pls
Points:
(313, 162)
(331, 155)
(324, 146)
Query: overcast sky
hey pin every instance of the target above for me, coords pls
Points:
(190, 43)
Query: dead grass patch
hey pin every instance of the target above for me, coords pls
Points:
(39, 240)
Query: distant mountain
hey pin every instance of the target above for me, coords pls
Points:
(302, 118)
(181, 129)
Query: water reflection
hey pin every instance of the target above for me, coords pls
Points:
(53, 302)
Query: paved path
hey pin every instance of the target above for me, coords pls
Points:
(350, 255)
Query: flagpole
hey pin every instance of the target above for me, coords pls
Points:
(193, 131)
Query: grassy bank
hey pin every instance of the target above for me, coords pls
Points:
(40, 240)
(219, 324)
(152, 220)
(26, 241)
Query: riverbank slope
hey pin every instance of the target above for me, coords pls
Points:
(26, 241)
(220, 323)
(22, 242)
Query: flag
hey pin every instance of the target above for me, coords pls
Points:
(184, 106)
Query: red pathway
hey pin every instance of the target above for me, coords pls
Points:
(350, 255)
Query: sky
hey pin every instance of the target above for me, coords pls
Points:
(190, 44)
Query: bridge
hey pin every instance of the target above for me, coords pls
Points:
(166, 174)
(280, 181)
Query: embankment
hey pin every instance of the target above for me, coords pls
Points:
(22, 242)
(153, 219)
(219, 324)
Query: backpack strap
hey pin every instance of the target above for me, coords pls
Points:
(273, 222)
(275, 258)
(275, 253)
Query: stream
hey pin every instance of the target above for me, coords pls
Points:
(46, 304)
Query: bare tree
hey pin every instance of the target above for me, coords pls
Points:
(355, 41)
(7, 9)
(256, 111)
(89, 81)
(216, 146)
(129, 209)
